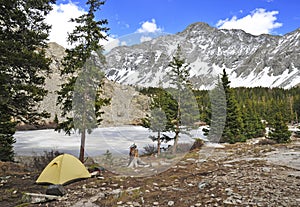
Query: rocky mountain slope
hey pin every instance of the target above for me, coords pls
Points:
(265, 60)
(127, 105)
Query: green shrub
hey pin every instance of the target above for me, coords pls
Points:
(150, 149)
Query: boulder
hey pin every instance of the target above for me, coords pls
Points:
(57, 190)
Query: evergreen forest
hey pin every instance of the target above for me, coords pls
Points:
(256, 109)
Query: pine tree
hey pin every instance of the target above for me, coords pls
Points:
(187, 109)
(80, 94)
(108, 158)
(253, 126)
(7, 130)
(217, 113)
(203, 100)
(234, 125)
(297, 107)
(55, 120)
(23, 66)
(158, 124)
(163, 111)
(279, 131)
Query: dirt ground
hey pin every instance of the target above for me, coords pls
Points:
(243, 174)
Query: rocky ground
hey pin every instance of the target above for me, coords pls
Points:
(244, 174)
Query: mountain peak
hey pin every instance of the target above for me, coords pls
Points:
(199, 26)
(264, 60)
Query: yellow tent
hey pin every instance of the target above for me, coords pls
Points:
(63, 169)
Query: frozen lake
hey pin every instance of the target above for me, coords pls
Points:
(115, 139)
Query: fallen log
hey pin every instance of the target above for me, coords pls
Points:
(39, 198)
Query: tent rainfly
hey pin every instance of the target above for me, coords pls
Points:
(62, 169)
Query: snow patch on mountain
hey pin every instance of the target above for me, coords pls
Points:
(264, 79)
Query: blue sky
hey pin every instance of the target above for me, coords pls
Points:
(125, 17)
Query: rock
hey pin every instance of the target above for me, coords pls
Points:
(229, 200)
(85, 203)
(202, 185)
(136, 204)
(163, 163)
(191, 160)
(155, 203)
(178, 189)
(156, 188)
(57, 190)
(116, 191)
(130, 189)
(238, 201)
(100, 195)
(171, 203)
(163, 189)
(237, 196)
(228, 165)
(199, 161)
(228, 191)
(95, 174)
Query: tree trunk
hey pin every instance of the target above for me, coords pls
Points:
(175, 142)
(158, 143)
(177, 130)
(82, 146)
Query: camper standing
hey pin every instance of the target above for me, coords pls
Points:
(133, 154)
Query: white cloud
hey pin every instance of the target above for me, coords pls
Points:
(258, 22)
(59, 18)
(145, 38)
(149, 27)
(110, 43)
